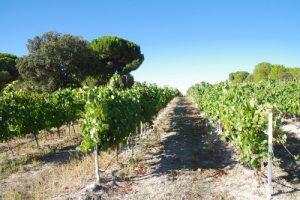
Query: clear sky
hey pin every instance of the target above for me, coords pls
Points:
(184, 42)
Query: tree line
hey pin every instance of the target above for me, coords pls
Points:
(56, 61)
(265, 71)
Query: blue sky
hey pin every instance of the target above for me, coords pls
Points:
(184, 42)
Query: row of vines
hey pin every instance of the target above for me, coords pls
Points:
(242, 110)
(23, 112)
(109, 114)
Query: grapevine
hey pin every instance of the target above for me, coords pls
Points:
(242, 111)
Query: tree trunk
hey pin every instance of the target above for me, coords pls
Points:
(97, 164)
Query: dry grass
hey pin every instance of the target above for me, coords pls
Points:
(25, 175)
(151, 141)
(24, 154)
(55, 179)
(58, 179)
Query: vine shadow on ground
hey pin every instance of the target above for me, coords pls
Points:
(288, 162)
(189, 144)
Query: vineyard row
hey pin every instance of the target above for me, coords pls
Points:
(109, 114)
(242, 110)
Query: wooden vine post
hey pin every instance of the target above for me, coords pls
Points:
(97, 164)
(69, 127)
(270, 155)
(141, 126)
(132, 145)
(219, 127)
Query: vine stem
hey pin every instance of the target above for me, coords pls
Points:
(36, 140)
(117, 153)
(9, 147)
(132, 146)
(141, 131)
(73, 128)
(58, 132)
(287, 150)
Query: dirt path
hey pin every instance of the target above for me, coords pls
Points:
(185, 147)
